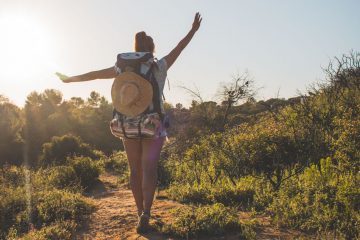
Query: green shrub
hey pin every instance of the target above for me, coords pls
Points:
(166, 168)
(321, 199)
(20, 208)
(211, 220)
(13, 209)
(86, 170)
(263, 192)
(60, 205)
(232, 196)
(189, 194)
(117, 163)
(57, 151)
(12, 176)
(222, 192)
(64, 177)
(58, 231)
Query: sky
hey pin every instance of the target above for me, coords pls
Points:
(283, 44)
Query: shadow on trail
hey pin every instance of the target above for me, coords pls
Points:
(100, 189)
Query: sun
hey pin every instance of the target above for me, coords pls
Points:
(24, 48)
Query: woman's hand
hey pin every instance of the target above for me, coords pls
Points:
(174, 54)
(67, 79)
(197, 22)
(71, 79)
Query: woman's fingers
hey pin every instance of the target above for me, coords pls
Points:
(197, 17)
(64, 78)
(61, 76)
(197, 21)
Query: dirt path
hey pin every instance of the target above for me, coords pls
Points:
(115, 216)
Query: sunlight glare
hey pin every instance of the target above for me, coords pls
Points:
(24, 48)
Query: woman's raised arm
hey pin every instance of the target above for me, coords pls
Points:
(100, 74)
(174, 54)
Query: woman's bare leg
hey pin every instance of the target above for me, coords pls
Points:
(133, 152)
(151, 149)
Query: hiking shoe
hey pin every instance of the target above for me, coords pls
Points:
(143, 224)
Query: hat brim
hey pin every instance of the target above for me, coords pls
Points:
(142, 102)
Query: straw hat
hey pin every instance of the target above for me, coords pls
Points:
(131, 94)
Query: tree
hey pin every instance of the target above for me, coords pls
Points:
(39, 126)
(240, 88)
(11, 143)
(94, 99)
(77, 102)
(93, 124)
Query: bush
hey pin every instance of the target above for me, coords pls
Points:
(57, 151)
(58, 231)
(40, 204)
(320, 200)
(60, 205)
(86, 170)
(13, 210)
(225, 193)
(64, 177)
(117, 163)
(260, 192)
(232, 196)
(187, 193)
(12, 176)
(211, 220)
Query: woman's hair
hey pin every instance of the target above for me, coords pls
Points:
(144, 43)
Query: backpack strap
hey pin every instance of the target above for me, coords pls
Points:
(122, 126)
(156, 93)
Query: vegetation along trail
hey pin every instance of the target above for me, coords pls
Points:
(115, 216)
(257, 170)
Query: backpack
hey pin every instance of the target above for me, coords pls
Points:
(136, 62)
(145, 125)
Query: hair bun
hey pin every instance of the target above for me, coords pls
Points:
(143, 42)
(140, 36)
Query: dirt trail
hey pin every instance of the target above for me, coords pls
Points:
(115, 216)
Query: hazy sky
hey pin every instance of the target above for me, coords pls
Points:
(283, 44)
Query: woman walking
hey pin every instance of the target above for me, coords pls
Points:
(143, 153)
